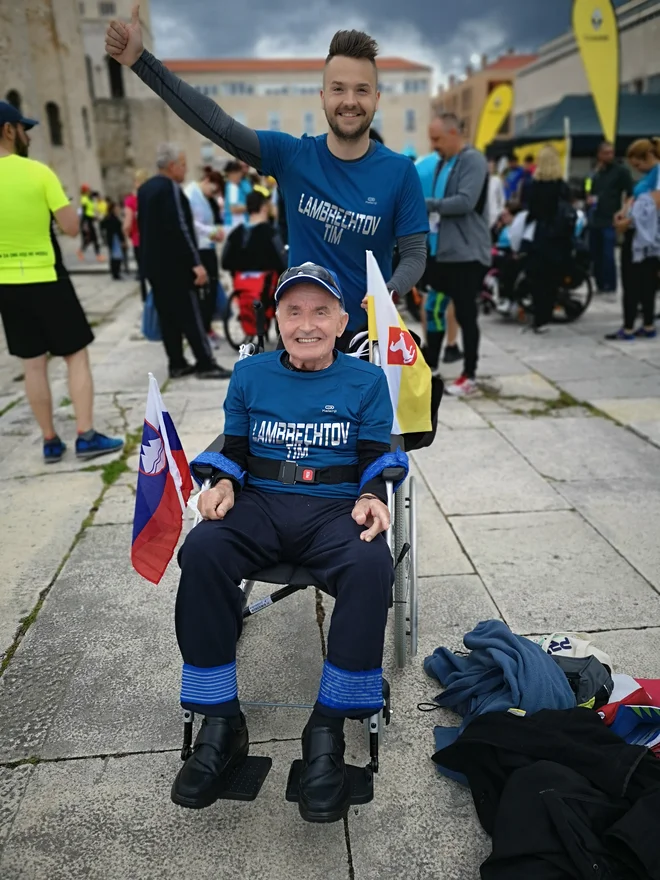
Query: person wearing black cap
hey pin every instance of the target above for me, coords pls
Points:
(307, 437)
(40, 310)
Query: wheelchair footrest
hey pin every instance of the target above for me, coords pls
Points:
(361, 779)
(244, 783)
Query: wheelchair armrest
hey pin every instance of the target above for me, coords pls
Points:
(394, 474)
(217, 445)
(204, 472)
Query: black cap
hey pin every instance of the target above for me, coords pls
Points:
(9, 113)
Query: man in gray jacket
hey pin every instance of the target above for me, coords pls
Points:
(458, 213)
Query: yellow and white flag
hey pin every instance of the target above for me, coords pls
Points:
(596, 30)
(408, 375)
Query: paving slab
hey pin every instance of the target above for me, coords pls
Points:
(592, 390)
(438, 549)
(118, 506)
(393, 840)
(570, 449)
(456, 414)
(601, 363)
(626, 513)
(471, 472)
(645, 409)
(633, 651)
(552, 571)
(648, 430)
(99, 670)
(113, 820)
(525, 385)
(35, 544)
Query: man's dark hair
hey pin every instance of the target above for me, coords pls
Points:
(232, 166)
(605, 145)
(255, 202)
(353, 44)
(529, 159)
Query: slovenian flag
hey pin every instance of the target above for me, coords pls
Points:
(163, 487)
(408, 374)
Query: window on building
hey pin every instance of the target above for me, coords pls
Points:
(107, 8)
(506, 126)
(638, 86)
(237, 88)
(410, 121)
(116, 77)
(274, 121)
(206, 152)
(54, 124)
(86, 128)
(81, 8)
(13, 98)
(89, 69)
(308, 123)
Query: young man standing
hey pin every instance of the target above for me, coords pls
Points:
(344, 193)
(40, 310)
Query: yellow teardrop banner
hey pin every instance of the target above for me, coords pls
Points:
(596, 31)
(496, 109)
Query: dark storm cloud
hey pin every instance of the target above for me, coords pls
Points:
(445, 33)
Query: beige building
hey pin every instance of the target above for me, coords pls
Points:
(558, 71)
(42, 71)
(283, 95)
(466, 97)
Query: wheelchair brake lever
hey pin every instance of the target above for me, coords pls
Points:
(404, 551)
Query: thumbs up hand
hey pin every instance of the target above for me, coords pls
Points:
(123, 42)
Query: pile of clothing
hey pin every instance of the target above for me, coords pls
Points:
(560, 753)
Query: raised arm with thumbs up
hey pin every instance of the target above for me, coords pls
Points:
(124, 41)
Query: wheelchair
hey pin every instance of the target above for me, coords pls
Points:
(245, 782)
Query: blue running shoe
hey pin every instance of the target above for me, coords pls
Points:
(97, 445)
(53, 450)
(643, 333)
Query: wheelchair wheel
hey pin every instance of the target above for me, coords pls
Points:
(234, 331)
(573, 298)
(405, 576)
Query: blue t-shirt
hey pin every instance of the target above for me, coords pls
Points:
(314, 419)
(512, 182)
(649, 183)
(337, 210)
(427, 169)
(504, 238)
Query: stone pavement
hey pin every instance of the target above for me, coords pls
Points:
(539, 503)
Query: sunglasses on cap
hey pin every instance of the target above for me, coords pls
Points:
(312, 274)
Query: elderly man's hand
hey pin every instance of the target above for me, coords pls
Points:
(216, 503)
(373, 514)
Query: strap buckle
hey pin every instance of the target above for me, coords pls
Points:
(290, 472)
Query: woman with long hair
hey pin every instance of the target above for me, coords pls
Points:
(639, 279)
(547, 255)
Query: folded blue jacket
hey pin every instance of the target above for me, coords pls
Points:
(503, 671)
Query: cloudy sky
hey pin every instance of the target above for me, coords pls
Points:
(443, 33)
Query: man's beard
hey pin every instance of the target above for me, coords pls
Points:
(22, 148)
(353, 135)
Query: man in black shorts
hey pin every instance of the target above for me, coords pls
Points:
(40, 310)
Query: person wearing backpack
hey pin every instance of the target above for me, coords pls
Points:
(458, 215)
(549, 251)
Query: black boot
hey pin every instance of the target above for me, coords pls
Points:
(221, 745)
(325, 790)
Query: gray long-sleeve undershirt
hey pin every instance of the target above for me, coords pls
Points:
(212, 122)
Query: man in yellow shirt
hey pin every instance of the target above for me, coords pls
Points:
(39, 307)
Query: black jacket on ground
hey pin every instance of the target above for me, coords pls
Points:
(561, 795)
(168, 245)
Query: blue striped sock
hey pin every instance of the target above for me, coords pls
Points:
(344, 690)
(209, 686)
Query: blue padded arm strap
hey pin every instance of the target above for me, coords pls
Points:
(221, 463)
(397, 459)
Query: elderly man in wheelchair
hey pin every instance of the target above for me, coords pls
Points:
(299, 479)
